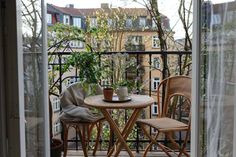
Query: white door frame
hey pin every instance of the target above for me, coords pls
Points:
(3, 140)
(14, 84)
(195, 146)
(12, 122)
(45, 77)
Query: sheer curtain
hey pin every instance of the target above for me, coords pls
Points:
(35, 82)
(219, 39)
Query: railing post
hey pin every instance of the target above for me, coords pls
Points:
(180, 64)
(150, 75)
(137, 72)
(137, 138)
(181, 100)
(60, 72)
(150, 88)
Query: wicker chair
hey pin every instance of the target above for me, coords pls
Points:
(83, 129)
(76, 115)
(175, 93)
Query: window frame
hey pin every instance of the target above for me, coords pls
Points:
(93, 22)
(142, 21)
(135, 39)
(77, 44)
(155, 108)
(56, 104)
(128, 23)
(49, 18)
(77, 22)
(110, 22)
(57, 128)
(195, 146)
(153, 23)
(154, 64)
(155, 83)
(154, 42)
(65, 17)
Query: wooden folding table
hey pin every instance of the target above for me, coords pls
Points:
(137, 103)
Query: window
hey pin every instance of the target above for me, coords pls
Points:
(156, 62)
(154, 25)
(49, 18)
(142, 21)
(155, 83)
(154, 131)
(129, 23)
(93, 22)
(216, 19)
(66, 19)
(77, 22)
(56, 128)
(49, 67)
(155, 42)
(56, 104)
(94, 43)
(72, 80)
(135, 40)
(154, 109)
(105, 82)
(110, 22)
(76, 44)
(230, 16)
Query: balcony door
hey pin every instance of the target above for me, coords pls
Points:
(24, 120)
(214, 90)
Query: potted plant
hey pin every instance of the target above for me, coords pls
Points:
(116, 66)
(122, 89)
(108, 93)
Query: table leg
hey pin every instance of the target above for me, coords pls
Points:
(128, 129)
(124, 132)
(116, 130)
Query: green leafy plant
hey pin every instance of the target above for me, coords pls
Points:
(88, 65)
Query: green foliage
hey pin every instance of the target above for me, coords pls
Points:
(88, 65)
(108, 32)
(61, 32)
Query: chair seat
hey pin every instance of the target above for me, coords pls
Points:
(164, 124)
(70, 119)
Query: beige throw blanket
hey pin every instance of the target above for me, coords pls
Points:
(72, 101)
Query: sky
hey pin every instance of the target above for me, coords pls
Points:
(167, 7)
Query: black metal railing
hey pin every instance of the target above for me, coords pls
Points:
(171, 63)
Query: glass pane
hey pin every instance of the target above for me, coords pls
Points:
(218, 83)
(33, 77)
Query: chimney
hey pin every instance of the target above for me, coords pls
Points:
(104, 5)
(70, 6)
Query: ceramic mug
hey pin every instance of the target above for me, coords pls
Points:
(122, 92)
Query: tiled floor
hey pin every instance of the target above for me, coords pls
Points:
(73, 153)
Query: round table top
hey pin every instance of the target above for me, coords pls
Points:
(137, 101)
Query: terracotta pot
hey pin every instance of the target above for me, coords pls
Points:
(56, 147)
(108, 93)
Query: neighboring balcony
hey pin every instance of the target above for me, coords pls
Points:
(130, 47)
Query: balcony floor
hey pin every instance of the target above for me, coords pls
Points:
(73, 153)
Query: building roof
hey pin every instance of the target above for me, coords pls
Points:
(220, 7)
(91, 11)
(128, 11)
(68, 10)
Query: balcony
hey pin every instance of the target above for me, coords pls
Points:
(146, 68)
(140, 47)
